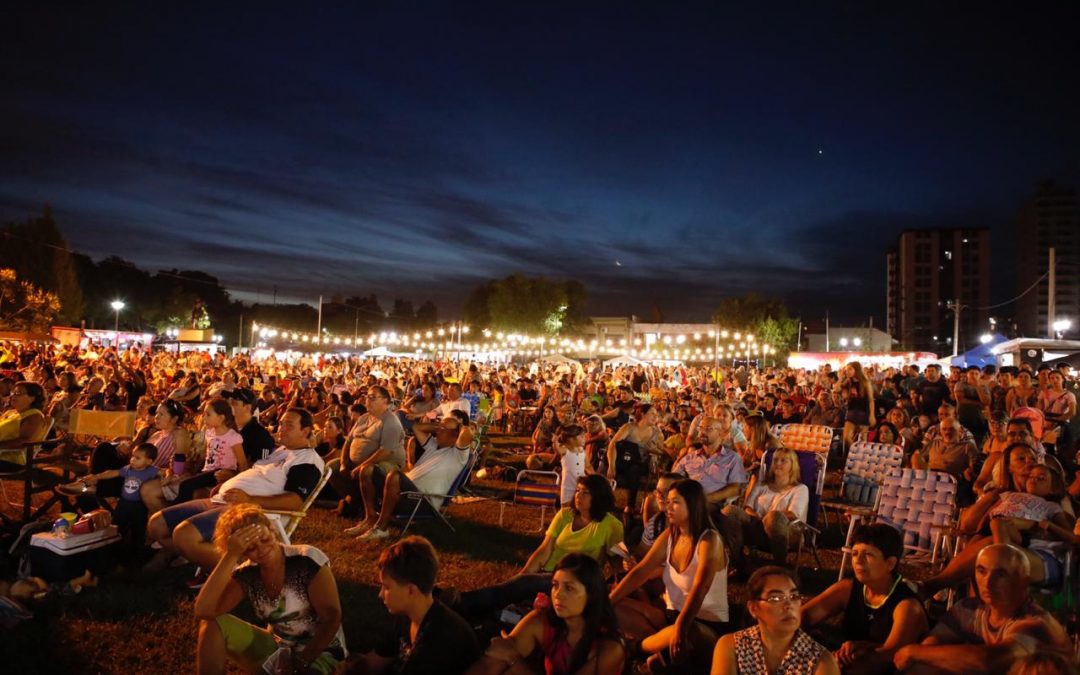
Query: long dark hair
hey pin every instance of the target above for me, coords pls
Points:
(603, 499)
(697, 507)
(599, 614)
(1006, 460)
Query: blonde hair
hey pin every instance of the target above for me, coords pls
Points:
(235, 517)
(796, 475)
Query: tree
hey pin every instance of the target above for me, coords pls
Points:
(766, 318)
(527, 305)
(38, 253)
(24, 305)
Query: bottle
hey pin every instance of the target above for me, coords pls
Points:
(179, 463)
(61, 528)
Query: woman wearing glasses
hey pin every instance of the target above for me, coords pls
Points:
(776, 644)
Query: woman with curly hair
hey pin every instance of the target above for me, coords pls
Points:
(291, 588)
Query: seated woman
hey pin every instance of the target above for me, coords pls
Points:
(588, 527)
(575, 631)
(771, 507)
(543, 439)
(776, 644)
(691, 554)
(880, 612)
(885, 432)
(1032, 520)
(23, 422)
(977, 520)
(759, 439)
(993, 450)
(331, 439)
(291, 588)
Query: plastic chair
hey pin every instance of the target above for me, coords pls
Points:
(864, 471)
(807, 437)
(919, 503)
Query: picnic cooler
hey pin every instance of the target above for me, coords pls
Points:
(55, 558)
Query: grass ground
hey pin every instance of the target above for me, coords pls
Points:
(134, 624)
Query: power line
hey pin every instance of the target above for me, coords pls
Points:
(1009, 302)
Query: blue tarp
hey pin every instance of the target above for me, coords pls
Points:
(980, 355)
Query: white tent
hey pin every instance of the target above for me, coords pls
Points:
(558, 359)
(625, 360)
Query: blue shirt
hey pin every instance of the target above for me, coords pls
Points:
(474, 403)
(133, 480)
(714, 473)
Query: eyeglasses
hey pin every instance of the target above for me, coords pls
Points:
(777, 599)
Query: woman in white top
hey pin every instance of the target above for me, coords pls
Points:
(772, 506)
(691, 554)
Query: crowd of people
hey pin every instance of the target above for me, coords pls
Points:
(671, 477)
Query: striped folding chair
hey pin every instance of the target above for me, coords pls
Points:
(535, 489)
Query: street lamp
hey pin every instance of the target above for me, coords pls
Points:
(1061, 326)
(985, 338)
(843, 342)
(117, 305)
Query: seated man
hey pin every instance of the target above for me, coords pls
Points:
(453, 401)
(880, 613)
(427, 636)
(722, 475)
(446, 449)
(376, 441)
(282, 481)
(953, 454)
(989, 633)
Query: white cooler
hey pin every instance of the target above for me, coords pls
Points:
(56, 558)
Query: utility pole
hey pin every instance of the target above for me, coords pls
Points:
(955, 307)
(318, 330)
(240, 339)
(798, 340)
(827, 348)
(1051, 292)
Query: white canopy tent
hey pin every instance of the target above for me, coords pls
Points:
(625, 360)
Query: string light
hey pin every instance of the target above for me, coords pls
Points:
(695, 346)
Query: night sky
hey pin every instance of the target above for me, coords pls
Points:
(664, 156)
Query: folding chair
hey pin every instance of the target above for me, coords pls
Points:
(292, 518)
(808, 437)
(27, 473)
(812, 475)
(864, 471)
(919, 503)
(535, 489)
(419, 498)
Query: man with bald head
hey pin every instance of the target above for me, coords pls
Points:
(988, 633)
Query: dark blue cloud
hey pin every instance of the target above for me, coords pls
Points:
(666, 156)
